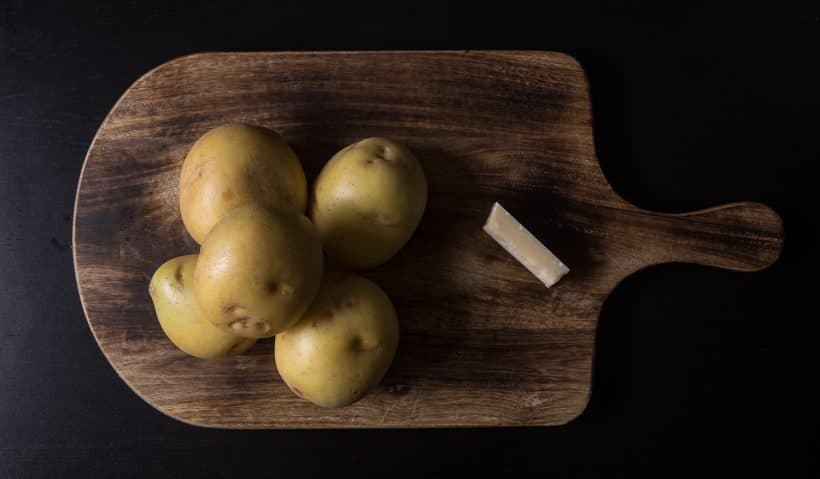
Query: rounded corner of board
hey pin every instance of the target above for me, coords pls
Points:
(569, 59)
(574, 415)
(175, 62)
(176, 417)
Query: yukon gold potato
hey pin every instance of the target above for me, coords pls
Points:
(181, 317)
(258, 270)
(343, 345)
(367, 201)
(236, 164)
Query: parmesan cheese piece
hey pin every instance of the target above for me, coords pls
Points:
(523, 246)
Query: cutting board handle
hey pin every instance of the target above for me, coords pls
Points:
(743, 236)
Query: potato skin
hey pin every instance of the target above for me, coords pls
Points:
(367, 202)
(258, 270)
(181, 318)
(236, 164)
(344, 344)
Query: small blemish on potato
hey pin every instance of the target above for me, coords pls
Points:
(232, 350)
(326, 316)
(193, 178)
(178, 275)
(356, 344)
(336, 302)
(377, 218)
(283, 288)
(241, 323)
(230, 308)
(228, 195)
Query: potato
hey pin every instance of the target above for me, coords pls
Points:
(236, 164)
(343, 345)
(258, 270)
(181, 317)
(367, 201)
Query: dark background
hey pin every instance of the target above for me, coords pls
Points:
(697, 370)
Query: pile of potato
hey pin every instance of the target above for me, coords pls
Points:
(261, 270)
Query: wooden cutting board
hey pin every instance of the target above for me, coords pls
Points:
(483, 343)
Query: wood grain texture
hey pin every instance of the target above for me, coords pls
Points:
(482, 342)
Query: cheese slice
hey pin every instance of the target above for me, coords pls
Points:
(523, 246)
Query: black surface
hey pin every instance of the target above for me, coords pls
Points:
(697, 370)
